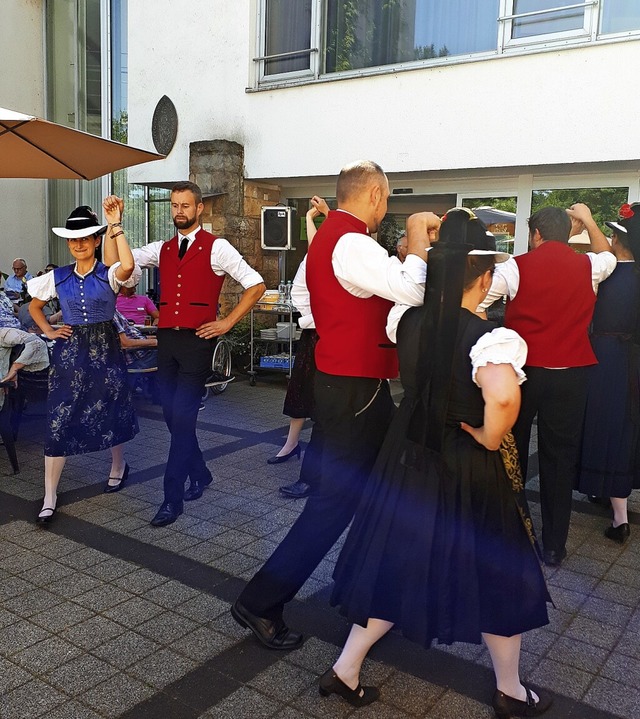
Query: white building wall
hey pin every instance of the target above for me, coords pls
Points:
(22, 202)
(564, 106)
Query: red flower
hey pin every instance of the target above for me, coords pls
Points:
(625, 211)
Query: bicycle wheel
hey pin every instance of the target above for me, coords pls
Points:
(221, 363)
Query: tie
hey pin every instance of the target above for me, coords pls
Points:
(183, 247)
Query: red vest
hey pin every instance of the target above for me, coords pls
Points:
(553, 306)
(351, 329)
(189, 288)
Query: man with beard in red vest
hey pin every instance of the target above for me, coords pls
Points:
(353, 284)
(193, 265)
(551, 293)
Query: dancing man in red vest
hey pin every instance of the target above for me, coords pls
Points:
(353, 284)
(551, 293)
(193, 265)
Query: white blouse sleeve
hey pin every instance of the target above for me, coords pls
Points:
(500, 346)
(43, 287)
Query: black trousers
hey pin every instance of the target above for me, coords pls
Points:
(184, 363)
(352, 417)
(558, 397)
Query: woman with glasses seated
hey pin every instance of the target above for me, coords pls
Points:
(89, 404)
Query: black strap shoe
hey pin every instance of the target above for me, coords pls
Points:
(274, 635)
(619, 534)
(167, 514)
(507, 707)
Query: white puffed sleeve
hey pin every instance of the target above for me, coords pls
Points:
(500, 346)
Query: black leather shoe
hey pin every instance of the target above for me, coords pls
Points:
(619, 534)
(297, 490)
(553, 558)
(295, 452)
(274, 635)
(196, 488)
(330, 683)
(506, 707)
(167, 514)
(110, 488)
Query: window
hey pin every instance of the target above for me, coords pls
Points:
(370, 33)
(287, 36)
(541, 18)
(620, 16)
(300, 39)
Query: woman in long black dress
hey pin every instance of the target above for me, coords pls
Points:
(611, 436)
(442, 545)
(89, 404)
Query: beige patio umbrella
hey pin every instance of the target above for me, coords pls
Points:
(34, 148)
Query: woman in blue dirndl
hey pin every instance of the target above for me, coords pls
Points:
(89, 405)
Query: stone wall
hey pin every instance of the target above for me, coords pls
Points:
(232, 208)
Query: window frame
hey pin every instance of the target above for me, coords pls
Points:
(587, 32)
(314, 51)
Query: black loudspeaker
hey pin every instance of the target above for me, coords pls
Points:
(277, 227)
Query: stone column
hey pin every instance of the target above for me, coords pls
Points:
(232, 208)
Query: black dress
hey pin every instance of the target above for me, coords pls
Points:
(442, 544)
(609, 460)
(298, 402)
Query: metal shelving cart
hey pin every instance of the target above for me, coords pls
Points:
(283, 360)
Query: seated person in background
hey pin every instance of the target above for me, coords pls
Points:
(51, 312)
(33, 358)
(135, 307)
(140, 352)
(7, 312)
(16, 284)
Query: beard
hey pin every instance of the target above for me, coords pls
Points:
(183, 221)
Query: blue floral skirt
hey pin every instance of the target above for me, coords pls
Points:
(89, 405)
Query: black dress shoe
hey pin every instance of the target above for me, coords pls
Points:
(506, 707)
(274, 635)
(109, 488)
(297, 490)
(619, 534)
(167, 514)
(553, 558)
(284, 457)
(330, 683)
(196, 488)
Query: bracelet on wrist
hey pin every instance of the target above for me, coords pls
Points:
(117, 234)
(116, 224)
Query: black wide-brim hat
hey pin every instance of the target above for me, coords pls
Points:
(628, 221)
(82, 222)
(460, 224)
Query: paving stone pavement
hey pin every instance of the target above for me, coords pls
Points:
(102, 615)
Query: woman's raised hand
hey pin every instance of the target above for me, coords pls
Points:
(113, 207)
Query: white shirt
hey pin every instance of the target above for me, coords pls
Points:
(300, 297)
(225, 259)
(506, 277)
(364, 268)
